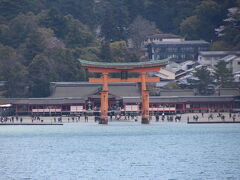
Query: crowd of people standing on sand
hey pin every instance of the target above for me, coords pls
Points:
(40, 119)
(16, 119)
(168, 118)
(128, 117)
(11, 119)
(71, 118)
(157, 117)
(36, 119)
(74, 119)
(218, 116)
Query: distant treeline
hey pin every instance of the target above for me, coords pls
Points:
(40, 40)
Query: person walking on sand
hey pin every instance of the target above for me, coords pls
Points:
(210, 117)
(163, 118)
(157, 117)
(223, 118)
(86, 118)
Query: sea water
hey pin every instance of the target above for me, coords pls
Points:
(120, 151)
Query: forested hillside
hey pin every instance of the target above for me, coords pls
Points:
(40, 40)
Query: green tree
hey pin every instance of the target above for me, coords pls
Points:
(223, 75)
(120, 52)
(168, 14)
(36, 43)
(77, 35)
(65, 65)
(190, 27)
(13, 72)
(88, 53)
(115, 25)
(19, 29)
(73, 33)
(202, 79)
(7, 55)
(4, 29)
(11, 8)
(135, 7)
(40, 76)
(54, 20)
(229, 32)
(83, 10)
(106, 52)
(221, 46)
(56, 64)
(16, 81)
(208, 15)
(172, 85)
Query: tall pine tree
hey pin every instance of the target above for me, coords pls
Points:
(223, 75)
(202, 79)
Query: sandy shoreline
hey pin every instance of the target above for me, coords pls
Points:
(185, 118)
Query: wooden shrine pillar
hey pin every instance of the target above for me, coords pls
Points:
(104, 100)
(145, 99)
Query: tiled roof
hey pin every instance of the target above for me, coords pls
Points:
(176, 99)
(160, 99)
(42, 101)
(219, 53)
(177, 92)
(85, 89)
(181, 42)
(133, 99)
(161, 36)
(127, 65)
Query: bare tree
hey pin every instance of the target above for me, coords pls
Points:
(140, 29)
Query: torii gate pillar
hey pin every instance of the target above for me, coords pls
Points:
(145, 99)
(104, 100)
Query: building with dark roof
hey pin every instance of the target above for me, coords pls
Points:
(85, 90)
(208, 55)
(177, 51)
(79, 97)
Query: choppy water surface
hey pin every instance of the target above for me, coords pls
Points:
(126, 151)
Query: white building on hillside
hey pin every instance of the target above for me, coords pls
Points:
(211, 58)
(156, 38)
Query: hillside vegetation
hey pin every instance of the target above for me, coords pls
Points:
(40, 40)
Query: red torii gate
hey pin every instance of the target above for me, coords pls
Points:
(124, 68)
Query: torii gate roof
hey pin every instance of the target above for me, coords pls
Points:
(124, 66)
